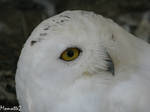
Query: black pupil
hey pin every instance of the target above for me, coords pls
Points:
(70, 53)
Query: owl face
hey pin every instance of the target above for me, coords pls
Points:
(65, 48)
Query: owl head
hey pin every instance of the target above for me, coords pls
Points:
(69, 47)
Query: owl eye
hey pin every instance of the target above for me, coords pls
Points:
(70, 54)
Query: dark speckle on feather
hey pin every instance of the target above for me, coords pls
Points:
(43, 34)
(61, 20)
(113, 38)
(65, 16)
(33, 42)
(46, 28)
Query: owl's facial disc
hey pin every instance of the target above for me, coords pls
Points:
(70, 54)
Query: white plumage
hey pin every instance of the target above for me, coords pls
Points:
(111, 74)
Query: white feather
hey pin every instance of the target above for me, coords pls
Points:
(44, 83)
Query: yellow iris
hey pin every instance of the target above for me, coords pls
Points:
(70, 54)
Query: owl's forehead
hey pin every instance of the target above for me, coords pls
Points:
(73, 25)
(71, 21)
(68, 21)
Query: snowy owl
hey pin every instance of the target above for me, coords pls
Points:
(79, 61)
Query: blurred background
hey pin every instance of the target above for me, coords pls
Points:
(19, 17)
